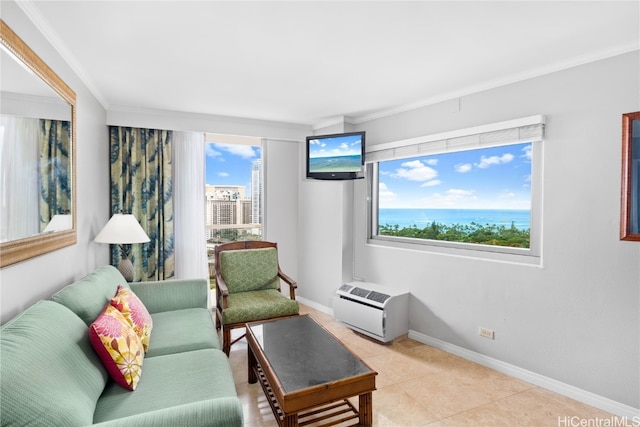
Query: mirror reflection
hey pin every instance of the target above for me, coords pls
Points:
(35, 142)
(36, 154)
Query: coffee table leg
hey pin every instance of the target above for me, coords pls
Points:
(365, 410)
(253, 363)
(290, 421)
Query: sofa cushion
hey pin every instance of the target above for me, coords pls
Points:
(250, 269)
(258, 305)
(135, 312)
(171, 380)
(118, 346)
(182, 330)
(88, 296)
(50, 374)
(173, 294)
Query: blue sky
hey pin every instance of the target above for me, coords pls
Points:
(347, 145)
(488, 178)
(230, 164)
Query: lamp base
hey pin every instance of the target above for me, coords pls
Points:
(126, 269)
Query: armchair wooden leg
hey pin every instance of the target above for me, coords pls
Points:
(226, 340)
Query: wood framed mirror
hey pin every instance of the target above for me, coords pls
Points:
(630, 194)
(37, 155)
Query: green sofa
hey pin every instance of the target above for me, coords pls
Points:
(50, 374)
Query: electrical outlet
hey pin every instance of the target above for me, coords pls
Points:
(487, 333)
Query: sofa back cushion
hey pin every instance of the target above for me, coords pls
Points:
(246, 270)
(88, 296)
(49, 370)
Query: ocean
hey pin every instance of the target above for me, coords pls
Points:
(335, 164)
(424, 217)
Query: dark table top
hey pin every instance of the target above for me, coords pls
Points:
(303, 354)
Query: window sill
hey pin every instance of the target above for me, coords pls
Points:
(501, 254)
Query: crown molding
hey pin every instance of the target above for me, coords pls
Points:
(33, 13)
(338, 120)
(515, 78)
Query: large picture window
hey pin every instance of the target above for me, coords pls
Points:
(475, 189)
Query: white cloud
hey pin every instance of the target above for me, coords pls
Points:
(452, 198)
(344, 146)
(463, 167)
(431, 183)
(415, 171)
(527, 149)
(244, 151)
(223, 174)
(385, 195)
(459, 193)
(507, 195)
(432, 162)
(412, 164)
(211, 152)
(486, 162)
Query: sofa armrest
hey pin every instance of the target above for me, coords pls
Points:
(168, 295)
(219, 412)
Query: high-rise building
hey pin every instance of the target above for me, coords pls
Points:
(225, 205)
(256, 191)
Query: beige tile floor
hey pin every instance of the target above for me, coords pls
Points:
(418, 385)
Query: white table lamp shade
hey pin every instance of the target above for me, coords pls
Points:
(59, 223)
(122, 229)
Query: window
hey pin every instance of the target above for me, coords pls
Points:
(234, 189)
(474, 190)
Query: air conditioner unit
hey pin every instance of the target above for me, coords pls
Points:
(377, 311)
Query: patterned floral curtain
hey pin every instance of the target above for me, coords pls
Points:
(141, 184)
(55, 169)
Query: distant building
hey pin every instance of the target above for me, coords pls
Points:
(226, 205)
(225, 192)
(256, 192)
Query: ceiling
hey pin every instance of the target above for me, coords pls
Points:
(312, 62)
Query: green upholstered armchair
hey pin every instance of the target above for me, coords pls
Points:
(248, 287)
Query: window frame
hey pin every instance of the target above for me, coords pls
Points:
(531, 255)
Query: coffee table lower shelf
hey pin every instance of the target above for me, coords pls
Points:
(340, 413)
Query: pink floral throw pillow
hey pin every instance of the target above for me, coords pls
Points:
(135, 312)
(118, 347)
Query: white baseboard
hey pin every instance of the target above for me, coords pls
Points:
(575, 393)
(315, 305)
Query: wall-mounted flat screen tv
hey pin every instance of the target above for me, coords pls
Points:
(337, 156)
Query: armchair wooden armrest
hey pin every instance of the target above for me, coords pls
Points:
(293, 285)
(222, 292)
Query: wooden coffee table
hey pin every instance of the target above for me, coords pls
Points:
(307, 374)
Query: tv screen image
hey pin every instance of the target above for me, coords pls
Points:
(336, 156)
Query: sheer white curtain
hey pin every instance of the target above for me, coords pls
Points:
(19, 186)
(189, 205)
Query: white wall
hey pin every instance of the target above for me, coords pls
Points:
(177, 120)
(575, 319)
(23, 284)
(325, 215)
(281, 204)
